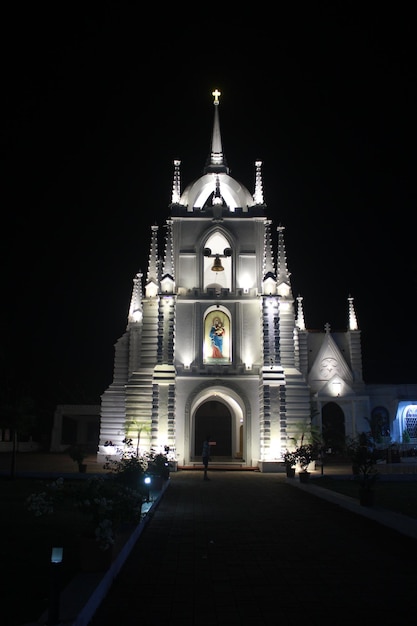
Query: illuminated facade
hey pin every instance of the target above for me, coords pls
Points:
(217, 344)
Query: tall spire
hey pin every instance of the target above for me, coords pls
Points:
(168, 267)
(167, 279)
(216, 162)
(269, 281)
(268, 262)
(152, 279)
(283, 275)
(135, 309)
(153, 256)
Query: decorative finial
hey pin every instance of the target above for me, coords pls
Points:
(216, 93)
(353, 322)
(176, 187)
(258, 196)
(300, 314)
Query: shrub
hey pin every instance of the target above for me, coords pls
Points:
(102, 501)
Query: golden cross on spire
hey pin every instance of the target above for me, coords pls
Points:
(216, 93)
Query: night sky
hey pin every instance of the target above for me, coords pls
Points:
(100, 103)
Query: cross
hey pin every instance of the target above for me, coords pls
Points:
(216, 93)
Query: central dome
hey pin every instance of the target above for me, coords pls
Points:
(234, 194)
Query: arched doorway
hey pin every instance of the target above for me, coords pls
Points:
(213, 418)
(333, 427)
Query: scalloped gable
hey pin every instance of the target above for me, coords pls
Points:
(329, 363)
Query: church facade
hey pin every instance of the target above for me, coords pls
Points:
(216, 343)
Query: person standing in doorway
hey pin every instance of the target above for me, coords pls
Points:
(206, 456)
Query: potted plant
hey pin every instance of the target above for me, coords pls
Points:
(158, 470)
(290, 461)
(308, 441)
(78, 453)
(305, 454)
(406, 436)
(159, 466)
(361, 452)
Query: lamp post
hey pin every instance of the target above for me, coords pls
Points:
(54, 586)
(322, 454)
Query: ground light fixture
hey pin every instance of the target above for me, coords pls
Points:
(147, 481)
(55, 586)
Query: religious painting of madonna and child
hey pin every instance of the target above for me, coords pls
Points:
(217, 338)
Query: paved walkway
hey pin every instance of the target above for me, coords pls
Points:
(252, 549)
(249, 548)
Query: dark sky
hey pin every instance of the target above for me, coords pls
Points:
(98, 104)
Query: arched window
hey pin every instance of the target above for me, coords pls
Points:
(410, 422)
(380, 426)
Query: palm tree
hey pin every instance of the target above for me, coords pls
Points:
(137, 427)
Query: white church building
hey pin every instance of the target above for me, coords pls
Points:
(216, 342)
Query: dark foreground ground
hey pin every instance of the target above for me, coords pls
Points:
(250, 548)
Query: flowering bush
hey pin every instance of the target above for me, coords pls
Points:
(104, 502)
(77, 453)
(158, 465)
(130, 467)
(44, 502)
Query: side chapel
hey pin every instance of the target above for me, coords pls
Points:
(216, 343)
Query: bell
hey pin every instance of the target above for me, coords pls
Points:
(217, 265)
